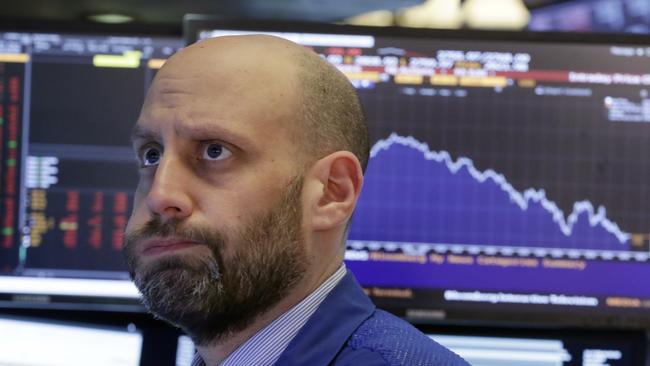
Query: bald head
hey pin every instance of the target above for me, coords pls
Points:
(222, 56)
(314, 101)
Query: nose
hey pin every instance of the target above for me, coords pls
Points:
(168, 195)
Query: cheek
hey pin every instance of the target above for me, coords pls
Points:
(220, 209)
(136, 220)
(250, 203)
(230, 212)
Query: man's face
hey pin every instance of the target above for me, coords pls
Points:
(216, 234)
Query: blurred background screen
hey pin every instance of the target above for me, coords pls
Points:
(48, 343)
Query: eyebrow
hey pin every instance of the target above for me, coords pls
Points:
(140, 133)
(195, 131)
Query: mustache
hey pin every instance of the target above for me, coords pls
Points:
(212, 239)
(174, 228)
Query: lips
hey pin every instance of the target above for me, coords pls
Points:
(158, 246)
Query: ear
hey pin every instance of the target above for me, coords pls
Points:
(338, 179)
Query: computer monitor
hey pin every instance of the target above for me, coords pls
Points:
(550, 348)
(32, 342)
(68, 102)
(509, 172)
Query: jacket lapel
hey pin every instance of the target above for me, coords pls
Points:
(327, 331)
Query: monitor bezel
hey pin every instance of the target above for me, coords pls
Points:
(194, 23)
(42, 300)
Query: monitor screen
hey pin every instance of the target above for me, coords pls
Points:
(509, 174)
(33, 342)
(550, 349)
(67, 172)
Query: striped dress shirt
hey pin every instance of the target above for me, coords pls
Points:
(266, 346)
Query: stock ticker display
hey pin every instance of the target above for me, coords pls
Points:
(503, 174)
(68, 172)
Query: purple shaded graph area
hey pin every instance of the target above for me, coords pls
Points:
(414, 195)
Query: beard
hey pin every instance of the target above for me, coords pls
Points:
(212, 297)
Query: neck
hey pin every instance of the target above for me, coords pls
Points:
(214, 353)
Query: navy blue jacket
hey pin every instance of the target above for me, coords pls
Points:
(347, 329)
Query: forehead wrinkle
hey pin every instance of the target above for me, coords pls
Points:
(169, 83)
(208, 130)
(191, 129)
(172, 92)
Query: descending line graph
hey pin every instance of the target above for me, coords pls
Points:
(566, 223)
(416, 195)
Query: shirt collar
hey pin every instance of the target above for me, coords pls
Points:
(265, 347)
(330, 327)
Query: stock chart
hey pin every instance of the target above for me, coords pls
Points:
(501, 172)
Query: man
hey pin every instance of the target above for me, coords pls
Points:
(251, 153)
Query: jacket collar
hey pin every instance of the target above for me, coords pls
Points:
(327, 331)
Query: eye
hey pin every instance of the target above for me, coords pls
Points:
(215, 151)
(150, 156)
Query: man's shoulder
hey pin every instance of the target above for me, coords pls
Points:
(384, 339)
